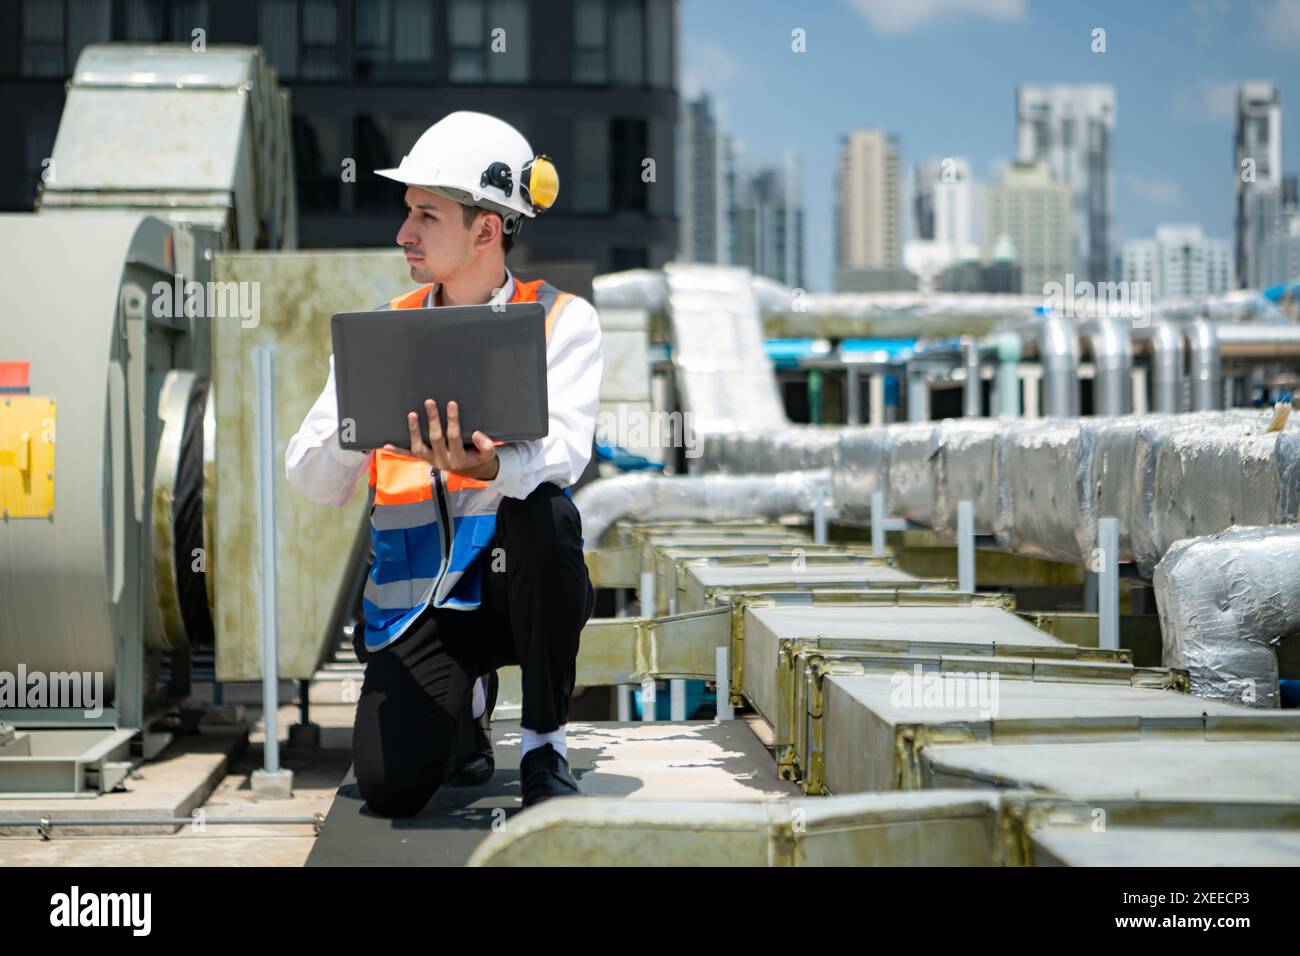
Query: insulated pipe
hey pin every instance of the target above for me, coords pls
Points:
(1058, 355)
(1204, 347)
(1226, 602)
(1166, 344)
(1257, 340)
(1113, 357)
(705, 498)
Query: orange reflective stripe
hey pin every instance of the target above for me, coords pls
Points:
(457, 482)
(400, 479)
(410, 300)
(556, 307)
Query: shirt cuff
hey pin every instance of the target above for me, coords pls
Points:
(344, 456)
(509, 471)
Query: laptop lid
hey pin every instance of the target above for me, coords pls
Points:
(489, 359)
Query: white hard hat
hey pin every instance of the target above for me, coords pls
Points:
(479, 160)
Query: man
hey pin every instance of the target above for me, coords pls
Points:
(504, 581)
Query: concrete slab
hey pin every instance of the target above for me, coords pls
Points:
(688, 760)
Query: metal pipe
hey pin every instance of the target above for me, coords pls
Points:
(264, 365)
(918, 394)
(972, 393)
(1007, 382)
(1108, 583)
(1255, 340)
(966, 546)
(1058, 355)
(722, 665)
(1112, 355)
(1203, 344)
(1166, 344)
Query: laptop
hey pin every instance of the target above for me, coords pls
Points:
(491, 360)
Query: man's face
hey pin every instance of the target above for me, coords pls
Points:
(437, 244)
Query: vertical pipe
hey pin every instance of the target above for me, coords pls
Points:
(264, 365)
(972, 389)
(646, 595)
(677, 699)
(1112, 356)
(1204, 346)
(918, 394)
(852, 395)
(1058, 354)
(1166, 367)
(723, 667)
(876, 398)
(1108, 583)
(648, 702)
(815, 396)
(819, 519)
(1007, 383)
(966, 547)
(878, 524)
(624, 692)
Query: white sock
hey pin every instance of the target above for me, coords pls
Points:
(479, 701)
(533, 739)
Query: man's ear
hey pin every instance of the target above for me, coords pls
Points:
(487, 229)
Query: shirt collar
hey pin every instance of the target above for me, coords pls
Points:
(503, 296)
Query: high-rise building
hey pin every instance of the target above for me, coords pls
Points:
(701, 162)
(868, 226)
(1276, 256)
(592, 83)
(1073, 128)
(767, 220)
(944, 202)
(1179, 263)
(1257, 174)
(1029, 212)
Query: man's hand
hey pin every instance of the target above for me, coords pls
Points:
(449, 453)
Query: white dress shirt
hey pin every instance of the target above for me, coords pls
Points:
(322, 472)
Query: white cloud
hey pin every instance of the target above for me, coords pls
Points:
(1158, 192)
(900, 16)
(707, 67)
(1281, 21)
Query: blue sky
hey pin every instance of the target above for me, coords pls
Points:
(942, 75)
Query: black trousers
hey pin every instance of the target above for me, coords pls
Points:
(414, 716)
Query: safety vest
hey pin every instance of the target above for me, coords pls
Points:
(429, 526)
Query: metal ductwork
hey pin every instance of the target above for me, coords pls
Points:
(1226, 602)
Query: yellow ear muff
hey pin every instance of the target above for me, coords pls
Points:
(541, 182)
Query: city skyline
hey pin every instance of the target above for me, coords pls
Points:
(1174, 69)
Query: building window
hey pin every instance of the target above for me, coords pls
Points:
(380, 142)
(627, 152)
(487, 41)
(300, 37)
(317, 160)
(394, 39)
(661, 34)
(591, 166)
(590, 52)
(55, 31)
(627, 41)
(164, 21)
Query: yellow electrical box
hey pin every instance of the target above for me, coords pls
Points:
(26, 457)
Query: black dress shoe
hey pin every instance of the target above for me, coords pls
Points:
(545, 774)
(475, 765)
